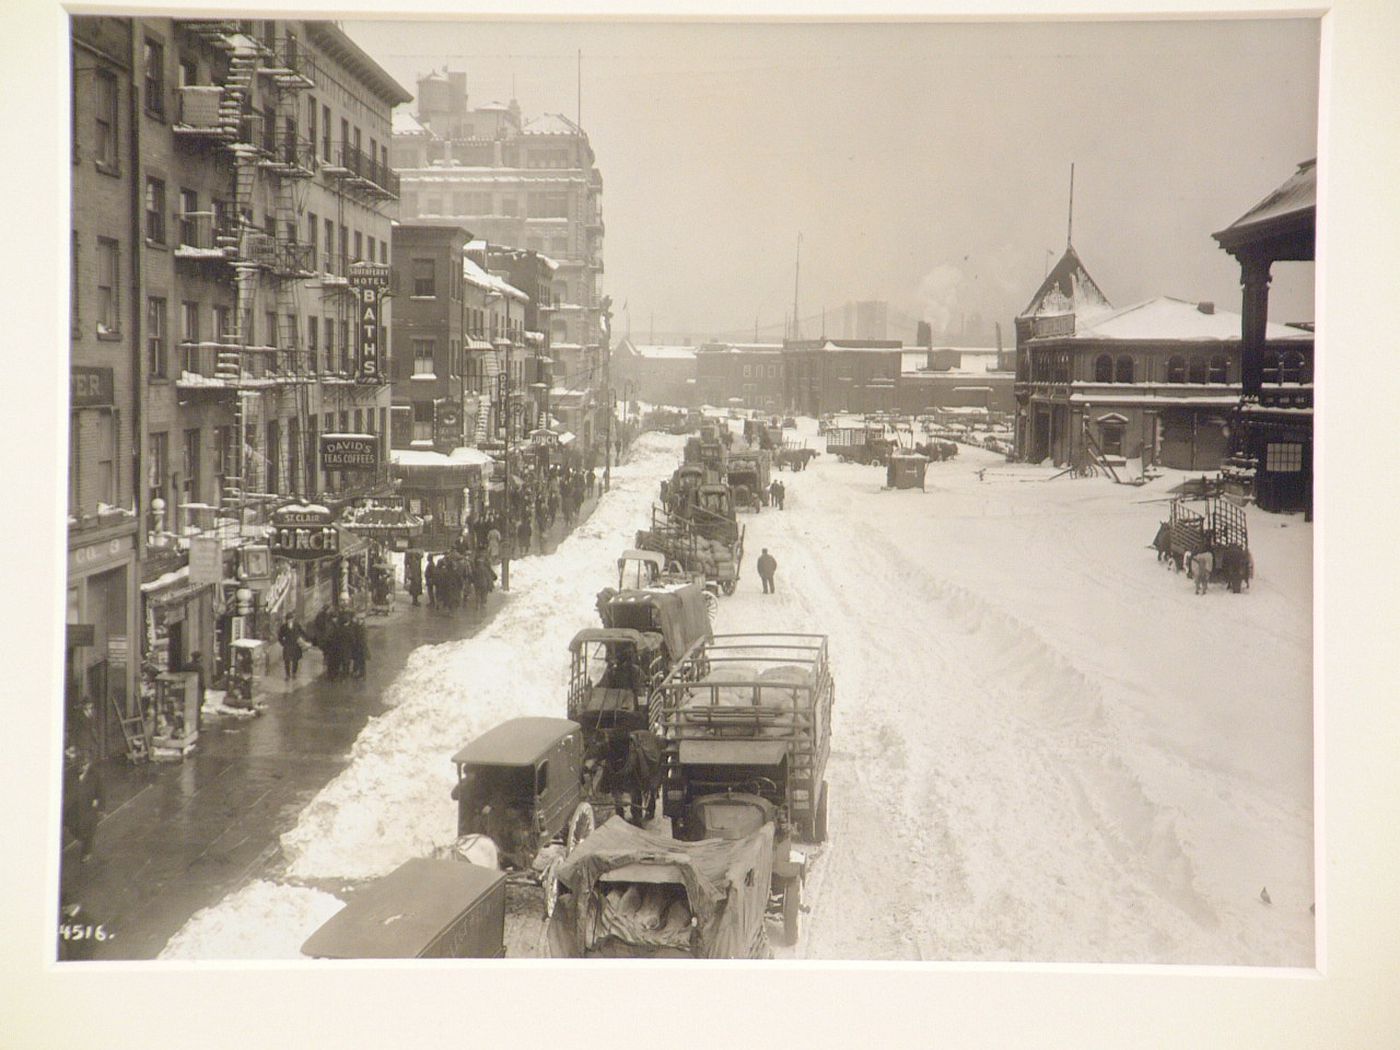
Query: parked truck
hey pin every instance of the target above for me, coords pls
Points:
(748, 713)
(704, 542)
(750, 473)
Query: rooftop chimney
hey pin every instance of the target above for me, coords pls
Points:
(1206, 307)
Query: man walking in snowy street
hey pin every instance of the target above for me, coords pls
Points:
(767, 565)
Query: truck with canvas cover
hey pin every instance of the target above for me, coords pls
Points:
(715, 553)
(424, 909)
(639, 894)
(749, 476)
(748, 712)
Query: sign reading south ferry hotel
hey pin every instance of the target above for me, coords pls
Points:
(303, 533)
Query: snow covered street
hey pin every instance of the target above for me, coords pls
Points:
(1045, 746)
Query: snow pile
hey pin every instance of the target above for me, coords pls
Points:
(263, 920)
(393, 800)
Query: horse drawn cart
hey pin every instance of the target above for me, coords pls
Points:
(1219, 528)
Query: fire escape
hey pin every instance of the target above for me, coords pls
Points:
(265, 149)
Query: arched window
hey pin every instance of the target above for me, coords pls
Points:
(1176, 369)
(1292, 371)
(1269, 368)
(1219, 369)
(1103, 369)
(1198, 369)
(1124, 373)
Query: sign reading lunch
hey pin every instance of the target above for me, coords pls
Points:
(303, 533)
(349, 452)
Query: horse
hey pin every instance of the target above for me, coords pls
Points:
(1163, 541)
(625, 759)
(1236, 564)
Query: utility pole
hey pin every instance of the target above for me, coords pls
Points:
(1069, 235)
(605, 324)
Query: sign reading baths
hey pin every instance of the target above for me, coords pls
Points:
(303, 533)
(349, 452)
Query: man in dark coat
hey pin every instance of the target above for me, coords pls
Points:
(430, 579)
(413, 574)
(359, 647)
(767, 566)
(289, 637)
(83, 796)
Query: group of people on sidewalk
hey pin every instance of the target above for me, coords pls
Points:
(339, 634)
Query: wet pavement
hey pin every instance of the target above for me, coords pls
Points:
(178, 837)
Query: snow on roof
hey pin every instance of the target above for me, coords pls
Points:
(659, 351)
(1067, 288)
(1165, 317)
(405, 123)
(971, 360)
(464, 456)
(476, 276)
(1297, 195)
(450, 173)
(551, 124)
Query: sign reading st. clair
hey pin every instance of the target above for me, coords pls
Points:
(303, 534)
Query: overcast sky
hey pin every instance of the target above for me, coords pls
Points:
(924, 164)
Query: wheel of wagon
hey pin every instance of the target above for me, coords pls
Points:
(580, 826)
(792, 911)
(820, 829)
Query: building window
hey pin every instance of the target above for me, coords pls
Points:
(1124, 372)
(1269, 370)
(312, 136)
(158, 461)
(189, 72)
(548, 205)
(1103, 369)
(313, 343)
(189, 336)
(422, 421)
(189, 205)
(1283, 457)
(384, 251)
(223, 324)
(424, 277)
(108, 317)
(105, 110)
(330, 247)
(508, 206)
(190, 478)
(423, 351)
(313, 236)
(1111, 438)
(748, 371)
(1219, 369)
(156, 356)
(326, 134)
(1198, 369)
(1176, 369)
(274, 455)
(1292, 371)
(344, 245)
(155, 211)
(155, 78)
(359, 246)
(369, 252)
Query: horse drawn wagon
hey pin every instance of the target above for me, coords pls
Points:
(705, 542)
(1217, 528)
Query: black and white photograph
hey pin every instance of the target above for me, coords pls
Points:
(782, 491)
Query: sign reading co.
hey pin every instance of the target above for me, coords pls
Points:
(349, 452)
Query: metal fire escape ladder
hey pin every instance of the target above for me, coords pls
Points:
(491, 370)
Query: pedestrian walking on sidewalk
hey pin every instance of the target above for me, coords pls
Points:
(289, 637)
(522, 533)
(413, 574)
(83, 796)
(493, 545)
(359, 647)
(767, 566)
(430, 579)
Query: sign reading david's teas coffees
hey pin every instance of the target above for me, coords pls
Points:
(349, 452)
(303, 533)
